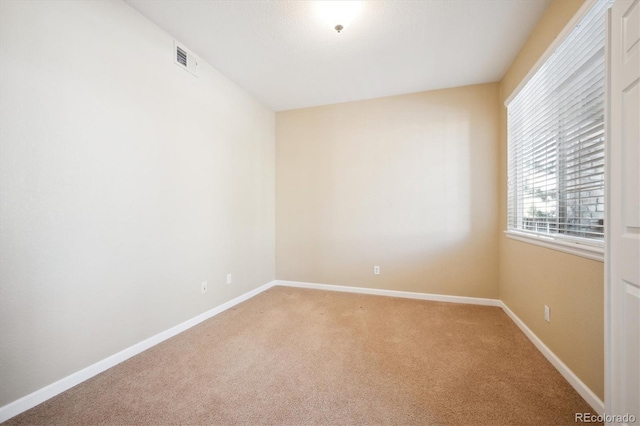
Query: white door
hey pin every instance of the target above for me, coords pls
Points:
(623, 214)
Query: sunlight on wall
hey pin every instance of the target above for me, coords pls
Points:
(392, 188)
(407, 183)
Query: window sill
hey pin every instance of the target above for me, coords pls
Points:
(575, 248)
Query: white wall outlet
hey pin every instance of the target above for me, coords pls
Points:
(229, 280)
(203, 287)
(547, 313)
(376, 270)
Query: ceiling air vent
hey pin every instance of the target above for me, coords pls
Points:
(184, 58)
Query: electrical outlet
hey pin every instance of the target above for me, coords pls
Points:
(547, 313)
(203, 287)
(376, 270)
(229, 279)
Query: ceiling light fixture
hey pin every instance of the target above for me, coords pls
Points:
(338, 14)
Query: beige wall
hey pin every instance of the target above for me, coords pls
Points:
(532, 276)
(125, 183)
(409, 183)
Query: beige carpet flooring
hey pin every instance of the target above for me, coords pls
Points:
(297, 356)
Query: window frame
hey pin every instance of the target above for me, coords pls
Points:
(583, 247)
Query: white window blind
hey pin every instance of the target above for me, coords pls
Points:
(556, 140)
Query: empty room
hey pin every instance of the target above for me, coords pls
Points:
(243, 212)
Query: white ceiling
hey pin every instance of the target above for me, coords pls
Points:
(282, 53)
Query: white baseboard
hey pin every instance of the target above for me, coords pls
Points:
(23, 404)
(392, 293)
(584, 391)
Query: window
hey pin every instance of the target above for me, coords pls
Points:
(556, 143)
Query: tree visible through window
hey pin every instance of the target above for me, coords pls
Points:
(556, 139)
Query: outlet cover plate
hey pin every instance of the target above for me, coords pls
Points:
(547, 313)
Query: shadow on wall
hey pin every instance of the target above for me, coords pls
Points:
(407, 183)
